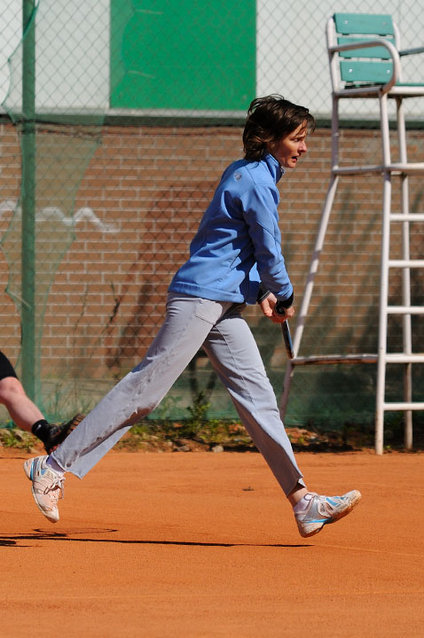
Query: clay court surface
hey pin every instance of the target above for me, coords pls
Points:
(203, 544)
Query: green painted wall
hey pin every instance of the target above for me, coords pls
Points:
(180, 54)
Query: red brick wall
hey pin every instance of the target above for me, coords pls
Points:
(144, 191)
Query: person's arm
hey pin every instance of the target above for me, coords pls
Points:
(261, 216)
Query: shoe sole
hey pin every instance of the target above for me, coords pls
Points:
(355, 500)
(27, 470)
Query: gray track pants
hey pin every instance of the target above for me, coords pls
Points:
(190, 323)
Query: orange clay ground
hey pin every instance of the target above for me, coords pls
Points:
(201, 544)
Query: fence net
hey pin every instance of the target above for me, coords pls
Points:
(125, 113)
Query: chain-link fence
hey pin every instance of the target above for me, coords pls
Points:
(179, 58)
(118, 119)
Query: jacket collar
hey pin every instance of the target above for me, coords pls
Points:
(276, 170)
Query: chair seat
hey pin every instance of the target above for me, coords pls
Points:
(410, 89)
(409, 84)
(365, 57)
(359, 85)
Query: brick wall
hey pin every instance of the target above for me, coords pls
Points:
(136, 209)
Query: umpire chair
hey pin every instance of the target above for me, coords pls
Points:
(365, 62)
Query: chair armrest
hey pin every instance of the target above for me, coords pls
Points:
(412, 51)
(367, 44)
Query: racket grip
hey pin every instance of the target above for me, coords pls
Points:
(285, 328)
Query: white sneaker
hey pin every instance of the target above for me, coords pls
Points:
(323, 510)
(47, 486)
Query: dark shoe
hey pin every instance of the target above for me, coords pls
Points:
(58, 433)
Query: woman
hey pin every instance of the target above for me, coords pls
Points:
(235, 259)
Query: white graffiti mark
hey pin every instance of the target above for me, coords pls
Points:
(88, 214)
(53, 213)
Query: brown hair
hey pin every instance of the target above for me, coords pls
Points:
(269, 119)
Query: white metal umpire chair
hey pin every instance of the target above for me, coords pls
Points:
(365, 62)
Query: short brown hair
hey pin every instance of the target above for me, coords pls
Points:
(269, 119)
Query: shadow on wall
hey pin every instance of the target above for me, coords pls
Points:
(169, 226)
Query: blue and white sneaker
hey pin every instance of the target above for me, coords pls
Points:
(47, 486)
(323, 510)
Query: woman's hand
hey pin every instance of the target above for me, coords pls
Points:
(289, 312)
(268, 305)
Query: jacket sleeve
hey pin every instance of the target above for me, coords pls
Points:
(261, 216)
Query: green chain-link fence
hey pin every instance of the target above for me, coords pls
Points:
(118, 117)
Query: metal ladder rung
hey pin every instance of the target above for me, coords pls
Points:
(397, 168)
(406, 263)
(411, 167)
(404, 358)
(357, 170)
(410, 217)
(334, 359)
(403, 406)
(405, 310)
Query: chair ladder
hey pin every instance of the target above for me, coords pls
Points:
(382, 357)
(407, 357)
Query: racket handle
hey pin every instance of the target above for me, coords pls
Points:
(287, 339)
(285, 328)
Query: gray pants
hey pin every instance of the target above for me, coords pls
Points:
(190, 323)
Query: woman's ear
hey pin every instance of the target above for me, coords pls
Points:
(270, 147)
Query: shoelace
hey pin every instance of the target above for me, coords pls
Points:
(57, 484)
(326, 508)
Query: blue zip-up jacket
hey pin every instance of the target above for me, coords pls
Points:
(238, 243)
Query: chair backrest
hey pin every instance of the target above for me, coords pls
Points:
(358, 67)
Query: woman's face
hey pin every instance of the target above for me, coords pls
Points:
(288, 150)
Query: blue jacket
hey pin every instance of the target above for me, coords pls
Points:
(238, 243)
